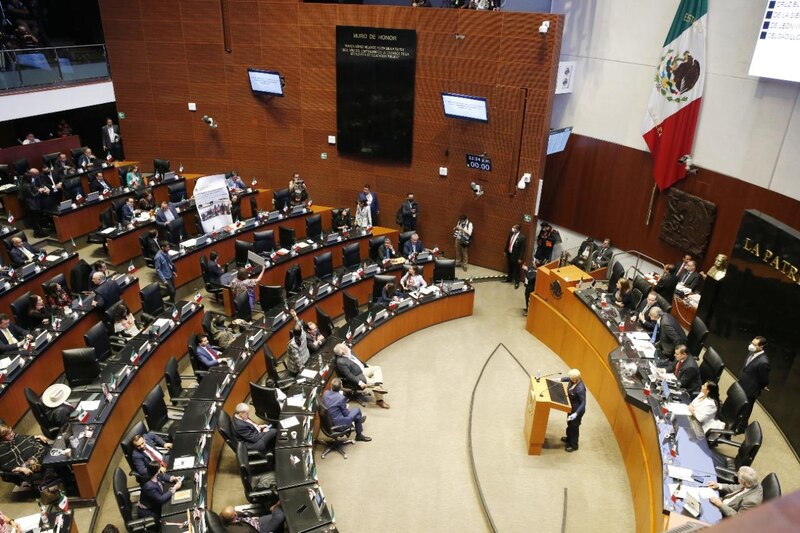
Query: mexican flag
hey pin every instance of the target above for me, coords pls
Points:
(671, 117)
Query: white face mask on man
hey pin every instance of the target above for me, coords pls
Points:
(752, 348)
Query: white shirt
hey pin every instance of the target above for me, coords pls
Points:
(29, 141)
(356, 360)
(705, 411)
(111, 134)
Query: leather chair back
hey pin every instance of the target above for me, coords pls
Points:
(771, 487)
(286, 236)
(748, 450)
(79, 276)
(697, 336)
(293, 280)
(732, 409)
(61, 279)
(280, 198)
(19, 308)
(323, 266)
(405, 236)
(152, 302)
(241, 306)
(81, 366)
(265, 402)
(379, 282)
(444, 269)
(173, 378)
(155, 409)
(712, 366)
(351, 255)
(324, 322)
(177, 192)
(350, 306)
(242, 247)
(313, 226)
(97, 338)
(264, 241)
(270, 296)
(375, 244)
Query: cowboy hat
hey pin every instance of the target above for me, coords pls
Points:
(55, 395)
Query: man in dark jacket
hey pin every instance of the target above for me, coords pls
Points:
(514, 252)
(358, 374)
(336, 404)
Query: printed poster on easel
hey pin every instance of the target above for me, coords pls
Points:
(213, 203)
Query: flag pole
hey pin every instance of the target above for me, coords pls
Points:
(650, 207)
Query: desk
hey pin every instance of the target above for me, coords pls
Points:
(34, 152)
(35, 281)
(49, 365)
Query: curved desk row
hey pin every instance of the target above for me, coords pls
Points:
(43, 368)
(11, 289)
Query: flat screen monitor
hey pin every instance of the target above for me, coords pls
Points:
(558, 140)
(466, 107)
(265, 82)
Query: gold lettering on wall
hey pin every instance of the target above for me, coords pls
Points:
(781, 265)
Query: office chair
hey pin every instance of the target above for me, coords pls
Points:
(152, 302)
(106, 218)
(665, 305)
(38, 409)
(61, 279)
(225, 427)
(126, 509)
(313, 226)
(270, 296)
(712, 366)
(726, 467)
(198, 367)
(324, 322)
(149, 258)
(375, 244)
(405, 236)
(379, 282)
(771, 487)
(20, 307)
(323, 266)
(293, 280)
(444, 270)
(211, 287)
(117, 205)
(241, 248)
(81, 367)
(214, 522)
(7, 241)
(280, 199)
(178, 395)
(339, 435)
(286, 236)
(98, 338)
(49, 160)
(265, 402)
(252, 480)
(351, 256)
(21, 166)
(697, 337)
(253, 207)
(160, 166)
(241, 307)
(276, 370)
(730, 413)
(76, 154)
(175, 231)
(640, 283)
(636, 298)
(264, 242)
(79, 277)
(127, 450)
(73, 186)
(617, 272)
(156, 413)
(177, 192)
(5, 175)
(350, 306)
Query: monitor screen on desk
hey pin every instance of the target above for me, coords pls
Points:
(265, 82)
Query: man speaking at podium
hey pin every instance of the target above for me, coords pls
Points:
(576, 391)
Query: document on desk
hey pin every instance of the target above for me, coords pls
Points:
(308, 373)
(290, 422)
(183, 463)
(638, 336)
(298, 400)
(645, 348)
(108, 230)
(89, 405)
(53, 257)
(678, 408)
(679, 472)
(697, 492)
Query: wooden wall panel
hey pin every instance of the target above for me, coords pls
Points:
(603, 189)
(166, 53)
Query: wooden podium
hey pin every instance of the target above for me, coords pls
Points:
(537, 413)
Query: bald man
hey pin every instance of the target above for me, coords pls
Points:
(107, 292)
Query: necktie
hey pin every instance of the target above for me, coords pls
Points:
(749, 360)
(9, 337)
(211, 352)
(654, 336)
(678, 367)
(511, 243)
(154, 455)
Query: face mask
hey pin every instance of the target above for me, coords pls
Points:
(751, 348)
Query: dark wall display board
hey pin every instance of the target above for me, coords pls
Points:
(375, 70)
(759, 295)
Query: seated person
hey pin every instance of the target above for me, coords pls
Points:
(244, 283)
(622, 296)
(99, 266)
(129, 211)
(385, 252)
(412, 246)
(100, 184)
(215, 271)
(738, 497)
(22, 252)
(667, 282)
(155, 492)
(411, 281)
(133, 179)
(124, 322)
(38, 314)
(63, 165)
(106, 291)
(685, 369)
(57, 408)
(297, 352)
(643, 311)
(22, 454)
(222, 335)
(296, 199)
(603, 255)
(147, 202)
(207, 354)
(336, 404)
(258, 437)
(56, 296)
(314, 337)
(705, 406)
(689, 278)
(241, 522)
(12, 337)
(390, 294)
(341, 220)
(234, 182)
(166, 213)
(359, 375)
(86, 159)
(667, 333)
(581, 258)
(144, 452)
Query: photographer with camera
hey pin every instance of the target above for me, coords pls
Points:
(463, 234)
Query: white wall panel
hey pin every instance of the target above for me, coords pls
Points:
(786, 179)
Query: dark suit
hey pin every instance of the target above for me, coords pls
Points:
(215, 271)
(128, 214)
(577, 399)
(85, 161)
(140, 459)
(514, 255)
(261, 441)
(151, 247)
(205, 356)
(111, 142)
(107, 294)
(340, 414)
(755, 376)
(603, 256)
(690, 280)
(688, 374)
(271, 523)
(643, 306)
(349, 372)
(666, 286)
(410, 248)
(18, 334)
(100, 186)
(161, 218)
(63, 167)
(383, 253)
(410, 212)
(373, 207)
(18, 258)
(670, 334)
(153, 496)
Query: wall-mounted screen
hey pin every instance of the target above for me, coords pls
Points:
(464, 106)
(265, 82)
(558, 140)
(778, 44)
